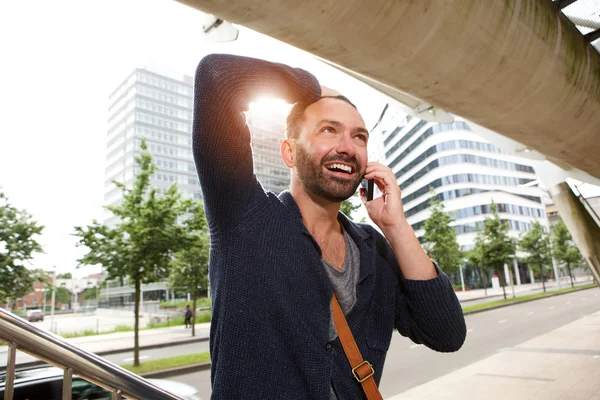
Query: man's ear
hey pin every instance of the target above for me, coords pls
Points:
(288, 152)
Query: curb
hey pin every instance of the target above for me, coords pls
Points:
(526, 301)
(176, 371)
(153, 346)
(40, 363)
(586, 282)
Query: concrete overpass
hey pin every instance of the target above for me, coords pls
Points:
(518, 68)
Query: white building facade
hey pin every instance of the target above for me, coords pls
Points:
(466, 173)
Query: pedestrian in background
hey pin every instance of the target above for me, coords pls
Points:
(188, 316)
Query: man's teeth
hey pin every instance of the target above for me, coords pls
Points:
(343, 167)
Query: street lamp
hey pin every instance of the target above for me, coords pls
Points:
(53, 299)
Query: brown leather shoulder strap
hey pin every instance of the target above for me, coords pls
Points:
(362, 370)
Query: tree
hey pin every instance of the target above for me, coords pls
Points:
(496, 247)
(91, 294)
(142, 244)
(18, 244)
(537, 244)
(61, 296)
(440, 238)
(564, 249)
(348, 206)
(67, 275)
(190, 266)
(475, 257)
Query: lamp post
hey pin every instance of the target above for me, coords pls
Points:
(53, 300)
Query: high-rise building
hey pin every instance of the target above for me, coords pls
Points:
(466, 173)
(159, 108)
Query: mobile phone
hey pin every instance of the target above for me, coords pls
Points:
(370, 186)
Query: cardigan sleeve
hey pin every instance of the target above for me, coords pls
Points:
(225, 85)
(427, 311)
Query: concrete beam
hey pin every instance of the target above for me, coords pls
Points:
(583, 228)
(519, 67)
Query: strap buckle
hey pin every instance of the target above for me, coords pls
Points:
(356, 374)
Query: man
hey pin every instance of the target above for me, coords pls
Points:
(275, 261)
(188, 316)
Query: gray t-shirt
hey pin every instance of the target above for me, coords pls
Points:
(344, 284)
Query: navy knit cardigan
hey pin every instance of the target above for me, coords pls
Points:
(271, 295)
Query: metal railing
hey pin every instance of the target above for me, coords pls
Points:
(21, 335)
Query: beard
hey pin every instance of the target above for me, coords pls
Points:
(332, 188)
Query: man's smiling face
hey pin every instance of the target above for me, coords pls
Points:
(331, 151)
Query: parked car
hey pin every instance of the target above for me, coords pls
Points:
(46, 383)
(34, 315)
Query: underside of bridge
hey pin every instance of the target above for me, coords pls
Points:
(526, 69)
(520, 68)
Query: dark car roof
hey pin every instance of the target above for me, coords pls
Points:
(33, 374)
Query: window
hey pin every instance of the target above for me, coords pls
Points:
(485, 209)
(429, 132)
(464, 158)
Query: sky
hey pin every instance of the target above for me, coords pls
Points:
(60, 61)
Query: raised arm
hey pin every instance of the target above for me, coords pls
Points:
(225, 86)
(427, 309)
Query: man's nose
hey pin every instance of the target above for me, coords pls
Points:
(345, 145)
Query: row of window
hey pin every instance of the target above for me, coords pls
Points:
(262, 169)
(478, 226)
(163, 83)
(429, 132)
(464, 158)
(121, 106)
(153, 120)
(273, 160)
(164, 163)
(273, 149)
(160, 95)
(405, 138)
(160, 135)
(462, 178)
(454, 194)
(159, 108)
(120, 119)
(451, 145)
(395, 132)
(116, 137)
(164, 177)
(273, 184)
(485, 209)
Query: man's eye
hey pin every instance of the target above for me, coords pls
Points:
(362, 138)
(328, 129)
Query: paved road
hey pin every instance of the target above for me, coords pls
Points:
(409, 365)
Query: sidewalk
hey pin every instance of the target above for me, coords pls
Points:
(478, 294)
(561, 364)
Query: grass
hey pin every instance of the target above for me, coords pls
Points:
(179, 320)
(166, 363)
(87, 332)
(201, 302)
(492, 304)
